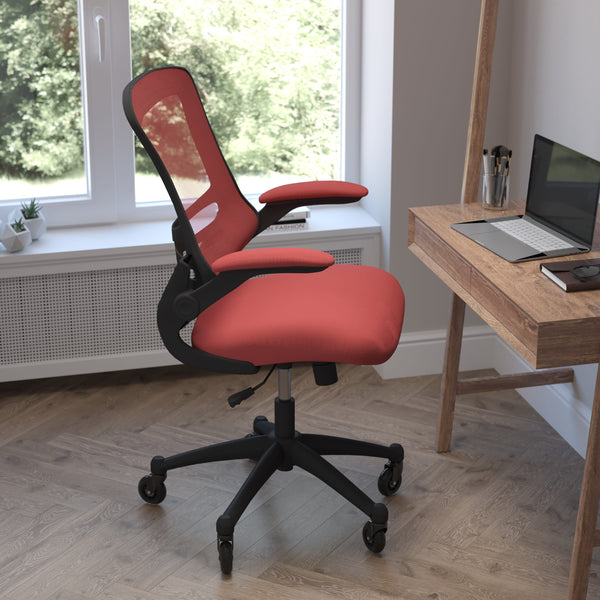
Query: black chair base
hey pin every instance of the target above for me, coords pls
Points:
(278, 446)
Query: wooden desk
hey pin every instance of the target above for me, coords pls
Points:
(547, 326)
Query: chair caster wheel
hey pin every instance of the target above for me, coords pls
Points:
(152, 489)
(256, 424)
(390, 478)
(225, 546)
(373, 537)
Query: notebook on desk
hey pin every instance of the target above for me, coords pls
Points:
(560, 213)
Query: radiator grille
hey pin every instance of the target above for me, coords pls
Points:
(68, 316)
(75, 315)
(347, 256)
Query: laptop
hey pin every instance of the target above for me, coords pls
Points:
(562, 200)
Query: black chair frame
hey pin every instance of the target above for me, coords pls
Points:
(278, 446)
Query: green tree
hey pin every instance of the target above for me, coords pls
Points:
(41, 131)
(268, 72)
(285, 59)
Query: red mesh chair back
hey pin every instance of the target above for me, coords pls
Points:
(165, 110)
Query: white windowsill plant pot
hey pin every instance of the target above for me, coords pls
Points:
(14, 236)
(32, 216)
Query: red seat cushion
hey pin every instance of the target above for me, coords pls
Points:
(345, 314)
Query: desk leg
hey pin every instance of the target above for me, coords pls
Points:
(450, 374)
(586, 535)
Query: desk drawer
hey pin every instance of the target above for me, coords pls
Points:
(445, 257)
(507, 315)
(574, 342)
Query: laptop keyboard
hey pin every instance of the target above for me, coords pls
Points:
(533, 236)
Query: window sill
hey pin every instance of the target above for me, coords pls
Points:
(76, 249)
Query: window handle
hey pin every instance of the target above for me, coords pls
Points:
(101, 31)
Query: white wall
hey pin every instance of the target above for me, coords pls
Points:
(376, 112)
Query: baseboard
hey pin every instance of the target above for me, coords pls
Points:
(560, 405)
(81, 366)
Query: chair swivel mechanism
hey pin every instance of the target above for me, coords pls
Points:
(244, 304)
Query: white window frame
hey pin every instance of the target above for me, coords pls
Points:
(351, 92)
(108, 139)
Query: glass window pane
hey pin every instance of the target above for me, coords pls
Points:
(269, 73)
(41, 130)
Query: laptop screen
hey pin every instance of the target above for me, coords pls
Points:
(564, 188)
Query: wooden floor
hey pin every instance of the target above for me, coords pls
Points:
(494, 519)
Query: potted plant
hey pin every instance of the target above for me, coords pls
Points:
(15, 235)
(34, 219)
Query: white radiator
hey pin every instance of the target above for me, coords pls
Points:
(88, 321)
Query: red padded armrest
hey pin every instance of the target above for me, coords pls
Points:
(311, 190)
(272, 258)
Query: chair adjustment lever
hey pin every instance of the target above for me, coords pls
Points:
(239, 397)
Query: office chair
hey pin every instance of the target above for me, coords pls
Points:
(259, 307)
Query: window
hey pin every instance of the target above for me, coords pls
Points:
(269, 71)
(41, 47)
(59, 140)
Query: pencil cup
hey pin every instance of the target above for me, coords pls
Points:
(495, 191)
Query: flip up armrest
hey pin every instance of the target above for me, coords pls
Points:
(183, 300)
(320, 191)
(273, 258)
(280, 200)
